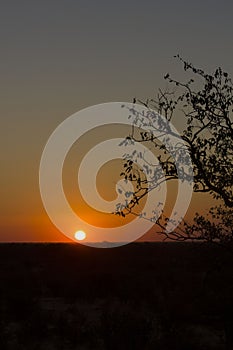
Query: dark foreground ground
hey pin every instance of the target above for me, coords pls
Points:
(141, 296)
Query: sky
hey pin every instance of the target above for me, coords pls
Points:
(58, 57)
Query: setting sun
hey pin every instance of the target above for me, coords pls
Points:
(80, 235)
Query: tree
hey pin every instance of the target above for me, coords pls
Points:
(206, 102)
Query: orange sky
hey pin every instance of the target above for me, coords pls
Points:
(58, 58)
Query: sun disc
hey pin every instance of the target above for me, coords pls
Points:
(80, 235)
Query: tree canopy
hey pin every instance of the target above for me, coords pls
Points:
(206, 104)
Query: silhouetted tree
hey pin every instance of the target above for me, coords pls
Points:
(206, 103)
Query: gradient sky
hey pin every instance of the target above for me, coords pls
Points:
(58, 57)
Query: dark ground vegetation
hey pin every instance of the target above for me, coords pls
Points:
(140, 296)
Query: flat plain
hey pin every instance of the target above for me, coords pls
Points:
(139, 296)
